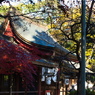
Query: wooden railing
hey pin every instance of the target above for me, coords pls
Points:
(17, 92)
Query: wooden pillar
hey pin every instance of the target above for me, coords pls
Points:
(58, 86)
(25, 91)
(66, 89)
(17, 83)
(11, 84)
(39, 81)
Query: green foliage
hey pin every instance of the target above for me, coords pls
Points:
(88, 92)
(90, 77)
(26, 8)
(4, 10)
(73, 93)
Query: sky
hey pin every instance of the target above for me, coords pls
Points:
(14, 2)
(69, 3)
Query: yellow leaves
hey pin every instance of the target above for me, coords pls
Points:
(89, 66)
(75, 13)
(61, 17)
(92, 61)
(92, 36)
(57, 34)
(52, 26)
(88, 52)
(65, 24)
(77, 36)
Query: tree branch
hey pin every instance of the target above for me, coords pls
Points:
(90, 13)
(2, 16)
(1, 1)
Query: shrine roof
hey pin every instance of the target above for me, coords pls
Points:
(32, 32)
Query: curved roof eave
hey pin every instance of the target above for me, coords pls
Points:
(34, 33)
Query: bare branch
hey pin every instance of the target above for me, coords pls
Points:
(90, 13)
(1, 1)
(2, 16)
